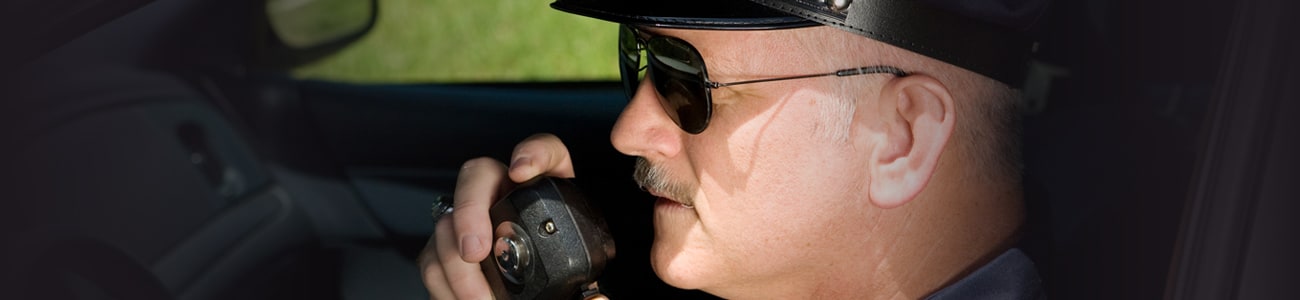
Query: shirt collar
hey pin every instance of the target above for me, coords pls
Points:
(1009, 276)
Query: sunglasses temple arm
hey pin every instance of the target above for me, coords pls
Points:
(840, 73)
(726, 84)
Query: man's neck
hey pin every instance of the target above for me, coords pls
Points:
(948, 231)
(951, 229)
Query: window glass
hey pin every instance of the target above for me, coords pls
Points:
(418, 41)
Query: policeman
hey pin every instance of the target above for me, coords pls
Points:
(802, 149)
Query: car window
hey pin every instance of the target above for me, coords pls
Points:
(422, 41)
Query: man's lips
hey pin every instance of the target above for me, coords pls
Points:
(659, 195)
(667, 202)
(661, 198)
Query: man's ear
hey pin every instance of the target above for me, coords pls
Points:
(916, 119)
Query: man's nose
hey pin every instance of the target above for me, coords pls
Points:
(644, 128)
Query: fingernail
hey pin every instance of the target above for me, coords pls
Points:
(520, 162)
(469, 244)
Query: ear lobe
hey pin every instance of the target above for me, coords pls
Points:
(916, 130)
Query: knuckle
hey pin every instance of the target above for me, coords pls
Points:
(541, 136)
(477, 162)
(540, 142)
(466, 289)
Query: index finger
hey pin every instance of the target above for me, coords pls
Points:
(479, 183)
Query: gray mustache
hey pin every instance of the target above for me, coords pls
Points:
(654, 178)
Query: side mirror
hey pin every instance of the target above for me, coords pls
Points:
(295, 32)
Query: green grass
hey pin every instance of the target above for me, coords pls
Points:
(416, 41)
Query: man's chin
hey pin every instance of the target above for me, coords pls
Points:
(674, 260)
(675, 268)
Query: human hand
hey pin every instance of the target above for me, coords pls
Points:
(449, 263)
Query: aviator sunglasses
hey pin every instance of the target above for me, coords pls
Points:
(678, 73)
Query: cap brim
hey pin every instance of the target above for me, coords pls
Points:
(686, 14)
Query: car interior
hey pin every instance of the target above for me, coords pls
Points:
(160, 150)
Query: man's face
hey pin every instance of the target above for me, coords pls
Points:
(771, 193)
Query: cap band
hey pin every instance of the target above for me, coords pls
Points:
(981, 47)
(686, 14)
(992, 50)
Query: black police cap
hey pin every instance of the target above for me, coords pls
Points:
(989, 37)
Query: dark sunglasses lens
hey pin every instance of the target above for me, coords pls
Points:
(629, 60)
(678, 71)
